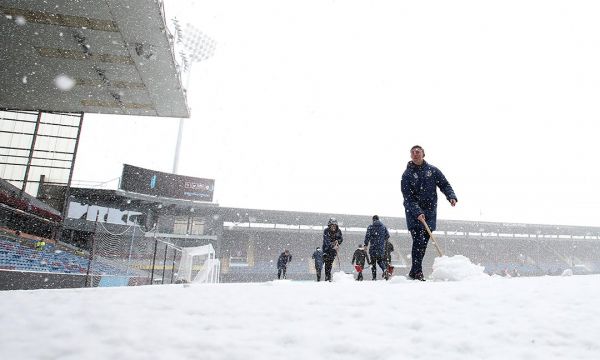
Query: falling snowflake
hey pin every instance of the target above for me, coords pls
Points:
(20, 20)
(64, 82)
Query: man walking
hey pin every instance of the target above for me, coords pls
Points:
(419, 188)
(282, 262)
(377, 234)
(332, 239)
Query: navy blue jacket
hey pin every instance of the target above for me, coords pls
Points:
(318, 256)
(420, 194)
(283, 260)
(376, 235)
(328, 242)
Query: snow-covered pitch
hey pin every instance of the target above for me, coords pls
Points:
(474, 318)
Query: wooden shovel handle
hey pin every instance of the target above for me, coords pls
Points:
(437, 247)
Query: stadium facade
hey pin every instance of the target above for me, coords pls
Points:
(248, 241)
(120, 237)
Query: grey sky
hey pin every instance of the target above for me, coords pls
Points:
(314, 105)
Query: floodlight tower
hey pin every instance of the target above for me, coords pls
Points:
(196, 47)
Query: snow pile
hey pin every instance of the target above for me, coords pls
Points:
(341, 276)
(567, 272)
(456, 268)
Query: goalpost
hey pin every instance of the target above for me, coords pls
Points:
(199, 265)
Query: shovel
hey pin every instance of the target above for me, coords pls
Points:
(432, 238)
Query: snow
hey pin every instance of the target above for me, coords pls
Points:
(19, 20)
(341, 276)
(456, 268)
(497, 318)
(64, 82)
(567, 272)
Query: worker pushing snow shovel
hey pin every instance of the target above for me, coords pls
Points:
(332, 239)
(375, 238)
(419, 186)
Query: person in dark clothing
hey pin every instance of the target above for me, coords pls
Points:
(358, 260)
(332, 239)
(282, 262)
(377, 234)
(419, 186)
(318, 256)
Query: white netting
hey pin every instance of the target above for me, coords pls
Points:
(130, 257)
(199, 265)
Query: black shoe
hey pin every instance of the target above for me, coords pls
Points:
(416, 277)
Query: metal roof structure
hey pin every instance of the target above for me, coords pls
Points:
(88, 56)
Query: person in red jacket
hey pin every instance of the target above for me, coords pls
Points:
(358, 260)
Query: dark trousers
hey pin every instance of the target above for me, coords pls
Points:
(281, 271)
(318, 269)
(420, 239)
(328, 264)
(377, 260)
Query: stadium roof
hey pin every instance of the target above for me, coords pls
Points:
(110, 57)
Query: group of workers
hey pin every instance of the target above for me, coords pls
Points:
(419, 185)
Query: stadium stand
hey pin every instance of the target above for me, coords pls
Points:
(18, 254)
(21, 255)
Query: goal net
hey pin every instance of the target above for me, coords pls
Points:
(128, 257)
